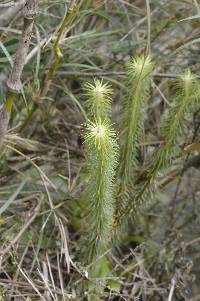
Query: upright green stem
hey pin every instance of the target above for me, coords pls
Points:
(69, 17)
(102, 151)
(98, 100)
(67, 21)
(11, 96)
(187, 96)
(139, 76)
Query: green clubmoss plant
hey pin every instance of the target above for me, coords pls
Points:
(102, 153)
(98, 100)
(186, 98)
(108, 210)
(139, 78)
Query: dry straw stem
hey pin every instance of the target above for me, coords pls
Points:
(30, 10)
(4, 118)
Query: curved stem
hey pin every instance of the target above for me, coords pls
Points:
(67, 21)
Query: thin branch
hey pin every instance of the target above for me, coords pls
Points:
(32, 215)
(113, 73)
(30, 10)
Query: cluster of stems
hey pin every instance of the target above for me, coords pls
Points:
(138, 79)
(109, 210)
(184, 102)
(102, 153)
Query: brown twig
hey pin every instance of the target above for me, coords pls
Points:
(30, 10)
(113, 73)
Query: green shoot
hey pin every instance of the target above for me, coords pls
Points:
(98, 100)
(139, 78)
(139, 71)
(186, 98)
(102, 153)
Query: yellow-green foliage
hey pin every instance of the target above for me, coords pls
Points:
(102, 149)
(186, 98)
(139, 77)
(109, 210)
(98, 100)
(102, 153)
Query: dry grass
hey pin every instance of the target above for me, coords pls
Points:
(42, 165)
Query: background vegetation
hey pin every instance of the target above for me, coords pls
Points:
(43, 168)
